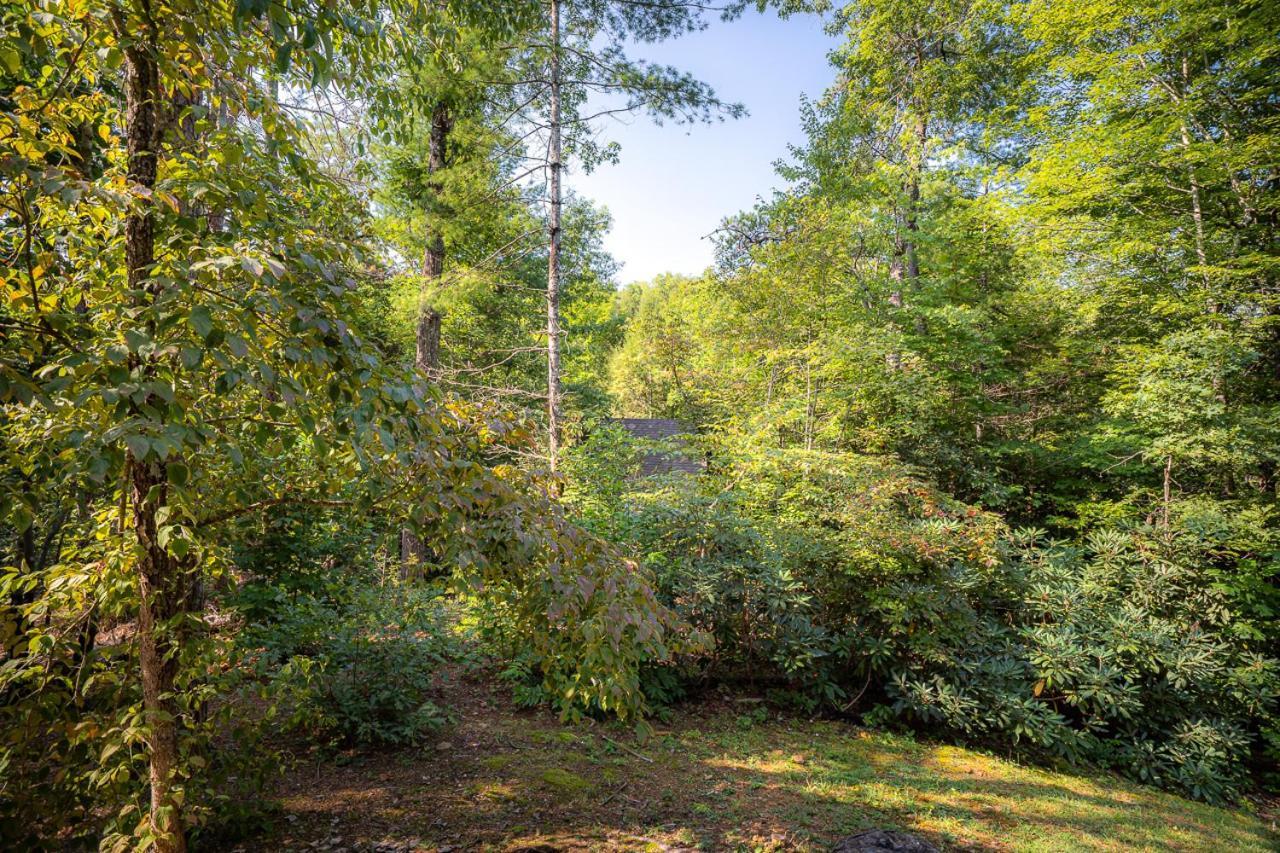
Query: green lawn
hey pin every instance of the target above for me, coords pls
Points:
(717, 778)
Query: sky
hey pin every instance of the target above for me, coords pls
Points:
(674, 184)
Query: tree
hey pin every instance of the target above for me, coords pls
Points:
(444, 181)
(1155, 151)
(882, 299)
(176, 355)
(585, 56)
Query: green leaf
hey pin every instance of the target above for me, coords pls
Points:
(138, 445)
(283, 53)
(252, 266)
(201, 321)
(22, 517)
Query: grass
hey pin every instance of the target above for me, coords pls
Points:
(715, 779)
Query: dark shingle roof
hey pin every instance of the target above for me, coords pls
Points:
(652, 429)
(666, 430)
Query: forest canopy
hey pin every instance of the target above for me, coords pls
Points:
(316, 377)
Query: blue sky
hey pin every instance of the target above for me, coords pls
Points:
(674, 184)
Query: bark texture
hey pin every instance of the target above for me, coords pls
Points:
(427, 357)
(160, 578)
(413, 553)
(553, 253)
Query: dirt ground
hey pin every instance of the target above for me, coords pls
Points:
(722, 775)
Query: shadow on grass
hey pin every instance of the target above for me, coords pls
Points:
(511, 781)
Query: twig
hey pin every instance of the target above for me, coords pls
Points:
(510, 744)
(639, 755)
(616, 791)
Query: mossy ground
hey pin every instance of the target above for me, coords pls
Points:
(720, 779)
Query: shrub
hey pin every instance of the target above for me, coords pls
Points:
(300, 551)
(359, 672)
(862, 587)
(1115, 652)
(72, 772)
(722, 575)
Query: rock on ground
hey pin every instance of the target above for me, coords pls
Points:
(883, 841)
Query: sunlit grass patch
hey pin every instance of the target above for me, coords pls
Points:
(705, 782)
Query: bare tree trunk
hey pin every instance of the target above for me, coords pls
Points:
(413, 553)
(810, 405)
(913, 203)
(913, 213)
(1168, 488)
(1197, 213)
(428, 340)
(553, 254)
(160, 578)
(893, 358)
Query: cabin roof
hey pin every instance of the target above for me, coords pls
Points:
(667, 430)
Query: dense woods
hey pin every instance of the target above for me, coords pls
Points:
(312, 364)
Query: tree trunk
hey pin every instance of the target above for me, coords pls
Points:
(553, 368)
(428, 344)
(1197, 213)
(913, 203)
(810, 403)
(160, 579)
(413, 553)
(19, 598)
(893, 358)
(913, 213)
(553, 253)
(904, 265)
(1168, 488)
(160, 585)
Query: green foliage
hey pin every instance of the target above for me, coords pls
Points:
(858, 586)
(723, 576)
(1118, 655)
(302, 551)
(597, 471)
(660, 367)
(589, 633)
(358, 672)
(74, 752)
(1026, 264)
(157, 398)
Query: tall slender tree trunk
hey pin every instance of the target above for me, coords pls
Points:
(904, 264)
(893, 358)
(413, 553)
(1168, 489)
(160, 578)
(553, 253)
(912, 248)
(810, 403)
(163, 599)
(428, 343)
(1197, 211)
(913, 203)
